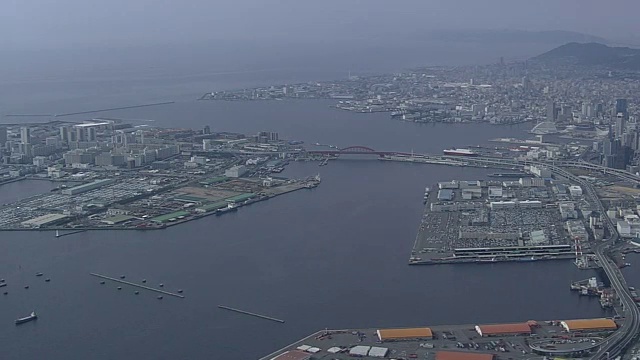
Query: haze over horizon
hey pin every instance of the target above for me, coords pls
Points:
(118, 23)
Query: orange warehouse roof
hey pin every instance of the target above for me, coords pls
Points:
(496, 329)
(590, 324)
(407, 333)
(459, 355)
(293, 355)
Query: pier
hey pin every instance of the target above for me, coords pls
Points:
(58, 234)
(250, 313)
(137, 285)
(115, 108)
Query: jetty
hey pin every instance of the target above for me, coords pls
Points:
(250, 313)
(137, 285)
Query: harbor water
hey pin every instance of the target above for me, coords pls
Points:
(332, 257)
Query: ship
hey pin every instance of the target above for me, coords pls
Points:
(229, 208)
(460, 152)
(25, 319)
(507, 175)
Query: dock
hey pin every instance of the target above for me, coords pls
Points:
(250, 313)
(137, 285)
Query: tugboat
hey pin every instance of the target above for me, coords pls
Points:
(23, 320)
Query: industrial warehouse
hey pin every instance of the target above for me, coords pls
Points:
(511, 341)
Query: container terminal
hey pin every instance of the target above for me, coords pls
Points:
(525, 340)
(526, 219)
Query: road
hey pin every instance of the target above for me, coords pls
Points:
(626, 334)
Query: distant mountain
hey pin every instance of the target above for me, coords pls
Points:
(592, 54)
(516, 36)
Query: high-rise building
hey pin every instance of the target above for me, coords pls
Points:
(25, 135)
(80, 134)
(526, 83)
(3, 136)
(551, 111)
(91, 132)
(64, 134)
(620, 124)
(206, 130)
(621, 107)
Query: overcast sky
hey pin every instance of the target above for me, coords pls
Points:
(64, 23)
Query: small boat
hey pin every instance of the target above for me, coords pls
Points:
(160, 297)
(161, 285)
(144, 280)
(25, 319)
(180, 291)
(122, 276)
(39, 274)
(26, 286)
(3, 284)
(102, 282)
(136, 292)
(47, 280)
(119, 287)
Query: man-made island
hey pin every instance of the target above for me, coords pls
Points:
(115, 176)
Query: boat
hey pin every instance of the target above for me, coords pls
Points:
(3, 284)
(25, 319)
(459, 152)
(39, 274)
(533, 258)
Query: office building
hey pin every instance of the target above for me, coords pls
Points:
(206, 130)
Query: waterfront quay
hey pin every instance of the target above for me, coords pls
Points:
(524, 340)
(485, 221)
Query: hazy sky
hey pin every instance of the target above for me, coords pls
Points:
(64, 23)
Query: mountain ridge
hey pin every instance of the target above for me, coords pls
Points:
(591, 54)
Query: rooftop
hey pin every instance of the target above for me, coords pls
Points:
(461, 355)
(589, 324)
(166, 217)
(498, 329)
(406, 333)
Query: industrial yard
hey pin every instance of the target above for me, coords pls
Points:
(525, 219)
(112, 175)
(525, 340)
(139, 203)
